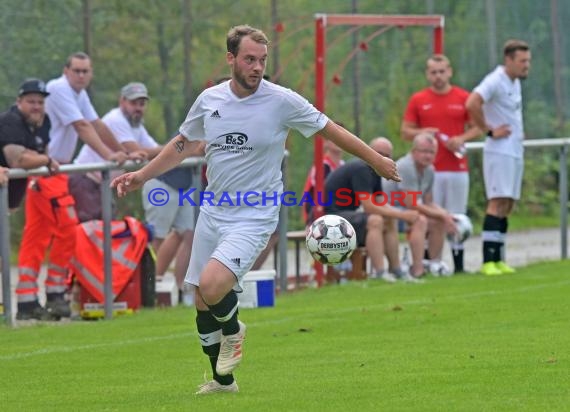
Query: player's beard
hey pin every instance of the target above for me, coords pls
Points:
(242, 80)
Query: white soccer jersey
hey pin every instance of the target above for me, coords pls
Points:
(65, 106)
(123, 131)
(245, 146)
(503, 105)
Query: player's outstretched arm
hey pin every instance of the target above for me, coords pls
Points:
(384, 166)
(169, 157)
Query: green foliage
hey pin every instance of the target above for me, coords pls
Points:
(465, 343)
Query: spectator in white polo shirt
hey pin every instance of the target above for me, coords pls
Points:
(72, 114)
(126, 124)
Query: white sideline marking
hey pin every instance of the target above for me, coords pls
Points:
(68, 349)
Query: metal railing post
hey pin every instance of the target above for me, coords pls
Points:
(106, 201)
(5, 251)
(283, 222)
(563, 196)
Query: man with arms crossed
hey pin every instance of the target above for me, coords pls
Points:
(242, 125)
(495, 106)
(440, 109)
(24, 136)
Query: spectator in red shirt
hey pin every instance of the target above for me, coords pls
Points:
(440, 109)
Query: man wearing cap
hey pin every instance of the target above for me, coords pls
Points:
(24, 136)
(126, 124)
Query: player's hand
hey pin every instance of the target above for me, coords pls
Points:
(502, 131)
(118, 157)
(127, 182)
(387, 168)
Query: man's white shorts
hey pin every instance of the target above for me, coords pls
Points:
(503, 175)
(170, 215)
(236, 244)
(451, 191)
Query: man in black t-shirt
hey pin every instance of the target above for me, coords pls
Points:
(24, 135)
(353, 187)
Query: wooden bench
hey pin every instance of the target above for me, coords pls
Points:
(358, 271)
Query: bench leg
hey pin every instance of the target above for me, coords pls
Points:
(358, 260)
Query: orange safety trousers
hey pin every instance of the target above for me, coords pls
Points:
(50, 220)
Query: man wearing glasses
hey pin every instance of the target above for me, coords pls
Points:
(417, 173)
(52, 212)
(373, 221)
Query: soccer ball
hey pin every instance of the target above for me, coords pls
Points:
(464, 228)
(331, 239)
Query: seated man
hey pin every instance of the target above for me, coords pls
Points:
(415, 191)
(416, 232)
(354, 184)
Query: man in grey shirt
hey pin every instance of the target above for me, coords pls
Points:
(415, 190)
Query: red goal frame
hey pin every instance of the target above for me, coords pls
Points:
(322, 21)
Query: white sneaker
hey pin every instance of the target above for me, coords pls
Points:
(214, 386)
(230, 351)
(439, 268)
(388, 277)
(411, 279)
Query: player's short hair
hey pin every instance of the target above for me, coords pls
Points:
(237, 33)
(512, 46)
(438, 58)
(77, 55)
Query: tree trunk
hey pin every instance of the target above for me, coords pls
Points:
(490, 9)
(557, 52)
(164, 57)
(276, 34)
(187, 50)
(356, 77)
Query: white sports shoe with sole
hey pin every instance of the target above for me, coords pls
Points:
(230, 351)
(214, 386)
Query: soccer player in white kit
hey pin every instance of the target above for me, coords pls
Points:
(242, 125)
(495, 106)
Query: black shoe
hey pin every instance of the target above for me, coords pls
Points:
(33, 311)
(58, 308)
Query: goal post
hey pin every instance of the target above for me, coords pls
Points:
(322, 22)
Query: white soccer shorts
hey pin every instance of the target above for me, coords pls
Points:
(503, 175)
(236, 244)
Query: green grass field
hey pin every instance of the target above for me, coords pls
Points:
(466, 343)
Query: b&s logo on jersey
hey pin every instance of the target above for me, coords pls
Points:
(232, 143)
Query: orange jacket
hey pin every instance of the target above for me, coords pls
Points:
(128, 241)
